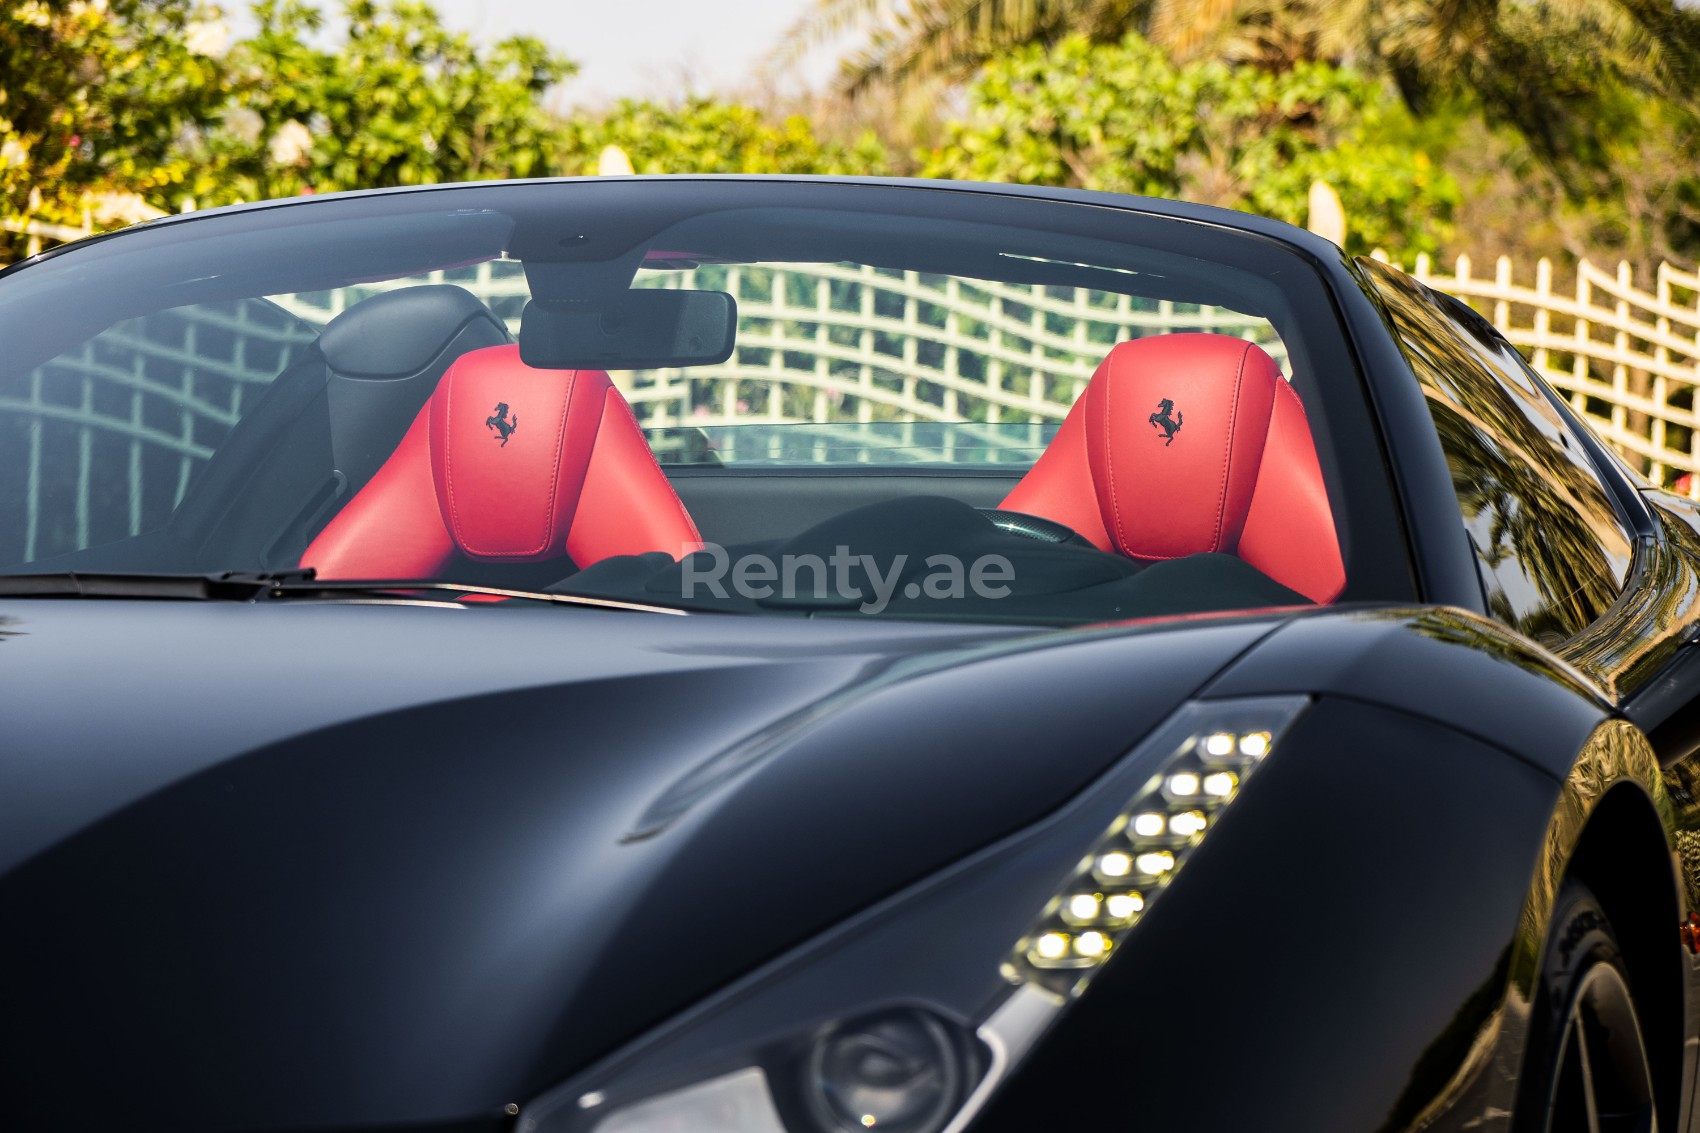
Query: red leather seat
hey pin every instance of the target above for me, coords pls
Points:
(507, 462)
(1187, 443)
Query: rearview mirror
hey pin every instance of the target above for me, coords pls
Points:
(637, 330)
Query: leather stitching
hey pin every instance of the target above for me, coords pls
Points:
(625, 407)
(1228, 456)
(1110, 465)
(448, 468)
(555, 469)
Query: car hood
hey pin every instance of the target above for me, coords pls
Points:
(296, 864)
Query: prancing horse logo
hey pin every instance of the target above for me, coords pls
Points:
(499, 422)
(1163, 421)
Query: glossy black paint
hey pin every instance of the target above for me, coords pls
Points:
(1361, 906)
(1439, 546)
(1456, 669)
(251, 873)
(1552, 548)
(336, 865)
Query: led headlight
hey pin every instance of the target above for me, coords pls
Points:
(836, 1038)
(1207, 752)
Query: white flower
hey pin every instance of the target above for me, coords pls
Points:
(291, 144)
(613, 162)
(245, 123)
(207, 37)
(33, 13)
(122, 208)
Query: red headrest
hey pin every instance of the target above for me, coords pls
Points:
(509, 449)
(1190, 443)
(508, 462)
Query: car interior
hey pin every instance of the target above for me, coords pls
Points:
(421, 435)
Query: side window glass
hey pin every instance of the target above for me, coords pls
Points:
(107, 437)
(1551, 547)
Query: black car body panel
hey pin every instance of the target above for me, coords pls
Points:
(1307, 935)
(493, 758)
(1447, 665)
(383, 860)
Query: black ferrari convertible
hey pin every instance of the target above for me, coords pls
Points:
(740, 655)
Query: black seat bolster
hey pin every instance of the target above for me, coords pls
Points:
(329, 422)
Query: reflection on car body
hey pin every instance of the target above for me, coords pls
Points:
(799, 656)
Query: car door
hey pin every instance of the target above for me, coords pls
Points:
(1576, 552)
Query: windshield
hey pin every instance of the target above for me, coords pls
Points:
(771, 398)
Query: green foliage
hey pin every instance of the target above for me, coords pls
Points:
(93, 95)
(1122, 117)
(1539, 66)
(905, 42)
(401, 101)
(114, 110)
(1587, 106)
(1504, 53)
(1635, 197)
(705, 136)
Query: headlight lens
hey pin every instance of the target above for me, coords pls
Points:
(899, 1071)
(733, 1103)
(908, 1067)
(903, 1070)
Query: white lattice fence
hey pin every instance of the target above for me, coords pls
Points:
(124, 422)
(831, 342)
(1627, 358)
(840, 343)
(107, 438)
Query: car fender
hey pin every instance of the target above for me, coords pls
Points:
(1387, 865)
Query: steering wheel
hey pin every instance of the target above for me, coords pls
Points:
(1033, 527)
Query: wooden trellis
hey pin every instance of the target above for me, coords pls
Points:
(919, 363)
(1626, 357)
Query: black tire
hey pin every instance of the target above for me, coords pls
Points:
(1585, 1068)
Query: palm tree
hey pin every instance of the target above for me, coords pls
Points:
(1522, 58)
(906, 42)
(1539, 65)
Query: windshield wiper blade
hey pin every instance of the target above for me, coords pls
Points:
(234, 585)
(400, 588)
(250, 586)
